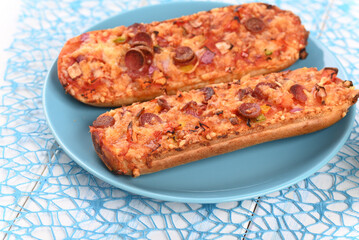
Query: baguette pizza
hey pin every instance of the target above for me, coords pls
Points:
(171, 130)
(123, 65)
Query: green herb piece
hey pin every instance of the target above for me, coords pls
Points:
(261, 118)
(267, 52)
(120, 39)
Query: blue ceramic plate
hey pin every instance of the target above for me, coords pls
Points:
(243, 174)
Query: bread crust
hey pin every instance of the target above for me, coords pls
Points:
(174, 130)
(93, 67)
(218, 147)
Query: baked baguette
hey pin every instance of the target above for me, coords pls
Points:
(172, 130)
(127, 64)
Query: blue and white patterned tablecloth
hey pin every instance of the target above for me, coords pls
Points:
(46, 195)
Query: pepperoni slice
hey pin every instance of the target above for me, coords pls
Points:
(134, 59)
(254, 25)
(258, 93)
(208, 91)
(298, 92)
(234, 120)
(163, 104)
(243, 92)
(147, 118)
(193, 109)
(137, 27)
(249, 110)
(183, 55)
(104, 121)
(147, 52)
(142, 38)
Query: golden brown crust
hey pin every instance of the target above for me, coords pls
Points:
(173, 130)
(296, 128)
(123, 65)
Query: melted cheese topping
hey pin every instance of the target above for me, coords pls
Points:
(92, 66)
(202, 116)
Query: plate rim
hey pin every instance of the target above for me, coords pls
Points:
(192, 199)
